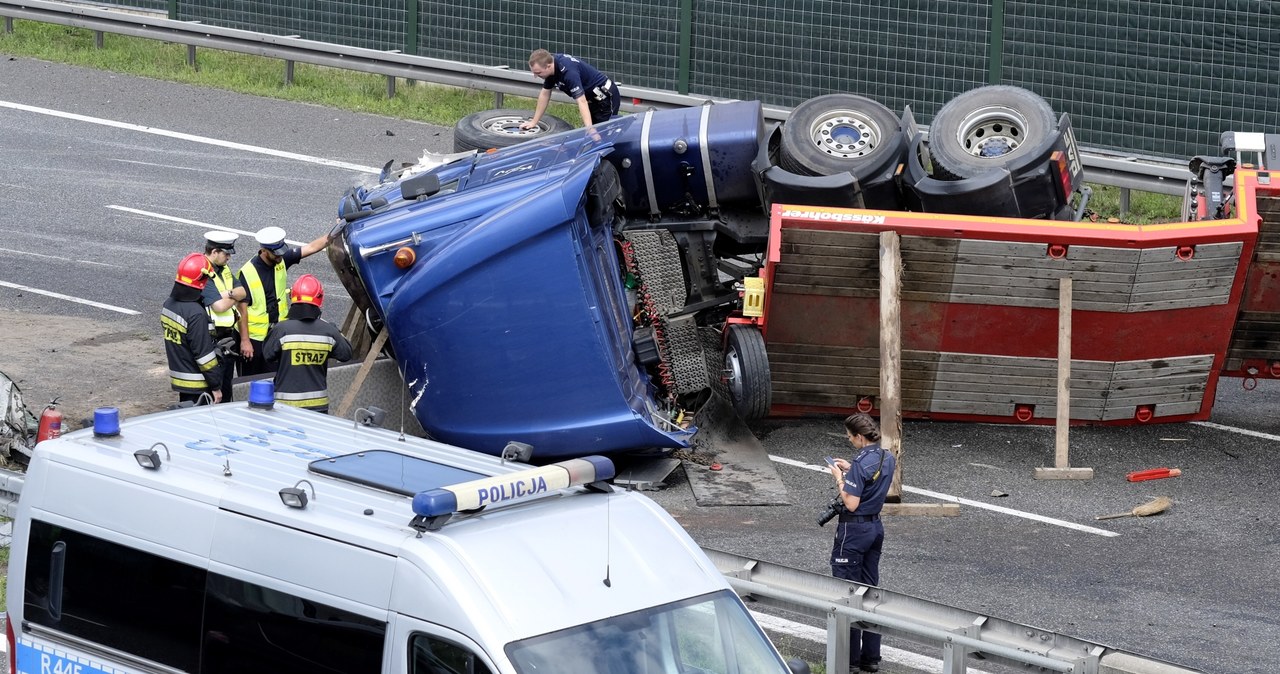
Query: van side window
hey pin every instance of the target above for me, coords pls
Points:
(115, 596)
(433, 655)
(250, 629)
(184, 617)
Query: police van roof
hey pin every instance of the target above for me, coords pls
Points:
(379, 491)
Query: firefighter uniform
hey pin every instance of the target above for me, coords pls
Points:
(302, 347)
(194, 367)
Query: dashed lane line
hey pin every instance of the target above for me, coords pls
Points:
(191, 137)
(60, 296)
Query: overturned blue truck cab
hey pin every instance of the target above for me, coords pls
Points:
(583, 292)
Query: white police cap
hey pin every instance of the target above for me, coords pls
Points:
(220, 239)
(271, 238)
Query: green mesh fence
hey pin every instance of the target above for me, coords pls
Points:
(1162, 77)
(369, 24)
(1149, 76)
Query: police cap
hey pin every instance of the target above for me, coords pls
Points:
(272, 239)
(220, 239)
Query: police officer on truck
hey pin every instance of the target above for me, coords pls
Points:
(597, 96)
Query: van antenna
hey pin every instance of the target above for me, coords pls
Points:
(608, 539)
(206, 398)
(403, 405)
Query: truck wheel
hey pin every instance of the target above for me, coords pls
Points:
(501, 128)
(747, 369)
(839, 133)
(988, 128)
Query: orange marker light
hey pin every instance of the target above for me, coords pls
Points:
(405, 257)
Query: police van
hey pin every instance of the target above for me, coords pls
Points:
(252, 537)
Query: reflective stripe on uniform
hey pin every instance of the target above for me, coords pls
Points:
(191, 380)
(307, 399)
(208, 361)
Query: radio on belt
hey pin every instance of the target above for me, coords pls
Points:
(433, 508)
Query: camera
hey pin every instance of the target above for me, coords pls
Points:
(833, 509)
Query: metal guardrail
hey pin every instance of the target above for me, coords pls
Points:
(1147, 174)
(10, 488)
(957, 632)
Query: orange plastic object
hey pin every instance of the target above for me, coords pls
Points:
(1153, 474)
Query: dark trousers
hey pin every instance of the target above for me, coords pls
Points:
(195, 398)
(230, 361)
(856, 556)
(255, 365)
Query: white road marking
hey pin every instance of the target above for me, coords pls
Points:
(195, 223)
(1233, 429)
(193, 138)
(60, 258)
(888, 654)
(69, 298)
(964, 501)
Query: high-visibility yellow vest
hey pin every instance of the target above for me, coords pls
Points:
(224, 281)
(259, 323)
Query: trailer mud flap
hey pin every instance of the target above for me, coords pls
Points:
(746, 475)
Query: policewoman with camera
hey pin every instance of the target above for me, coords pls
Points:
(855, 556)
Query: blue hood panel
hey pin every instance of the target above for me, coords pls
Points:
(513, 324)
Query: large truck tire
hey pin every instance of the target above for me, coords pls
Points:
(501, 128)
(747, 366)
(989, 128)
(839, 133)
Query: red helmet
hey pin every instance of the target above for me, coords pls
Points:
(194, 270)
(307, 290)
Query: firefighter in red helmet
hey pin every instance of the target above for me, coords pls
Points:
(302, 346)
(194, 367)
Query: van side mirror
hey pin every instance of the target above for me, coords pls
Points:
(798, 666)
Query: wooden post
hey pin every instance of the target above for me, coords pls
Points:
(891, 380)
(1062, 469)
(365, 367)
(891, 355)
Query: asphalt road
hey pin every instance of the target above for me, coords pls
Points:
(104, 213)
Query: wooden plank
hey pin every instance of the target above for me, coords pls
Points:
(1062, 420)
(1203, 251)
(922, 509)
(824, 271)
(365, 367)
(781, 289)
(891, 355)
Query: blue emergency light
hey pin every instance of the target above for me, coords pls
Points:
(476, 494)
(106, 422)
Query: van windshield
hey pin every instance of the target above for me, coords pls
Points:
(711, 634)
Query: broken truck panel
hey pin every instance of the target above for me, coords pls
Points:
(1154, 310)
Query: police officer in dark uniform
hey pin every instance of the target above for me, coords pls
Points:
(264, 282)
(855, 556)
(597, 96)
(219, 298)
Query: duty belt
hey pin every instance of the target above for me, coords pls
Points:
(846, 517)
(604, 91)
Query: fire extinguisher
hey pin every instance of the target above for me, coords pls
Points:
(50, 422)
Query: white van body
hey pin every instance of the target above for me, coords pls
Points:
(197, 565)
